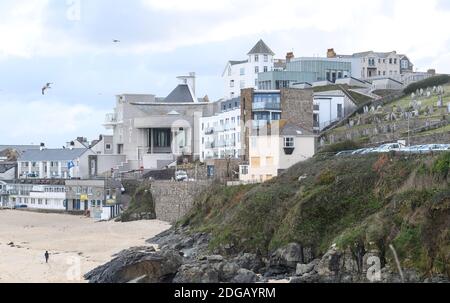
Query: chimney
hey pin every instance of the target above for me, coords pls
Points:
(72, 145)
(289, 57)
(42, 147)
(331, 53)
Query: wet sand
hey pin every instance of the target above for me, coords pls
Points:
(76, 245)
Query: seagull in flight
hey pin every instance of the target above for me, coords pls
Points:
(47, 86)
(116, 41)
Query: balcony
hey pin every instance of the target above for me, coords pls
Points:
(111, 120)
(257, 124)
(266, 106)
(210, 145)
(209, 131)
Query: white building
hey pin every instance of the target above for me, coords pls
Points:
(41, 197)
(54, 163)
(221, 133)
(152, 133)
(269, 155)
(3, 195)
(244, 74)
(330, 107)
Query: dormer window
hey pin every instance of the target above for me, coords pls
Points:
(256, 58)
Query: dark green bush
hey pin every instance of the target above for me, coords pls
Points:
(430, 82)
(341, 146)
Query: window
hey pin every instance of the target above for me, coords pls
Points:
(162, 138)
(232, 83)
(256, 69)
(232, 95)
(108, 146)
(266, 58)
(340, 112)
(390, 61)
(395, 61)
(242, 72)
(256, 58)
(256, 162)
(289, 142)
(244, 170)
(266, 69)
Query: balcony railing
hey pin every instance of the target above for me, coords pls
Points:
(111, 118)
(259, 123)
(266, 106)
(209, 131)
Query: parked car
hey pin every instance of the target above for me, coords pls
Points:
(181, 175)
(388, 148)
(344, 153)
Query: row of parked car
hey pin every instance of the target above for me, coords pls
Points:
(386, 148)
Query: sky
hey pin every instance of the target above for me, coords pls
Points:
(69, 43)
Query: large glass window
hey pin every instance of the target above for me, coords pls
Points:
(162, 138)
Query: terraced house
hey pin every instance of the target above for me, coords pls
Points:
(54, 163)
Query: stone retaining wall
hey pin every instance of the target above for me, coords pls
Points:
(173, 200)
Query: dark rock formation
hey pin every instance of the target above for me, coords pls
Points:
(137, 263)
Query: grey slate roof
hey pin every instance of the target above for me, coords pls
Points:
(292, 130)
(19, 148)
(238, 62)
(378, 54)
(181, 94)
(52, 154)
(261, 48)
(4, 167)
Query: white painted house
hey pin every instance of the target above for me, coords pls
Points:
(244, 74)
(54, 163)
(220, 133)
(269, 155)
(330, 107)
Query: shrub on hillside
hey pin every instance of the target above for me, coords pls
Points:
(430, 82)
(441, 167)
(341, 146)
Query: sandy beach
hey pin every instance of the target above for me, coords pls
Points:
(76, 245)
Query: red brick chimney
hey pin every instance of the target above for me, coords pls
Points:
(289, 56)
(331, 53)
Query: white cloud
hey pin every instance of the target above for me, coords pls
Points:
(192, 5)
(48, 120)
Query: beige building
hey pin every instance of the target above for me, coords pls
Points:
(269, 155)
(374, 64)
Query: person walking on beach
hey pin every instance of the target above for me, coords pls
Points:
(47, 256)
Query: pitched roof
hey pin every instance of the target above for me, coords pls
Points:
(261, 48)
(19, 148)
(290, 129)
(378, 54)
(181, 94)
(52, 154)
(4, 167)
(238, 62)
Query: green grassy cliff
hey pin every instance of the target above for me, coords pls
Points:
(365, 201)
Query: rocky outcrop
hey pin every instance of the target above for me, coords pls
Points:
(144, 264)
(185, 258)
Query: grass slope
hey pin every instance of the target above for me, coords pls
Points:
(370, 201)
